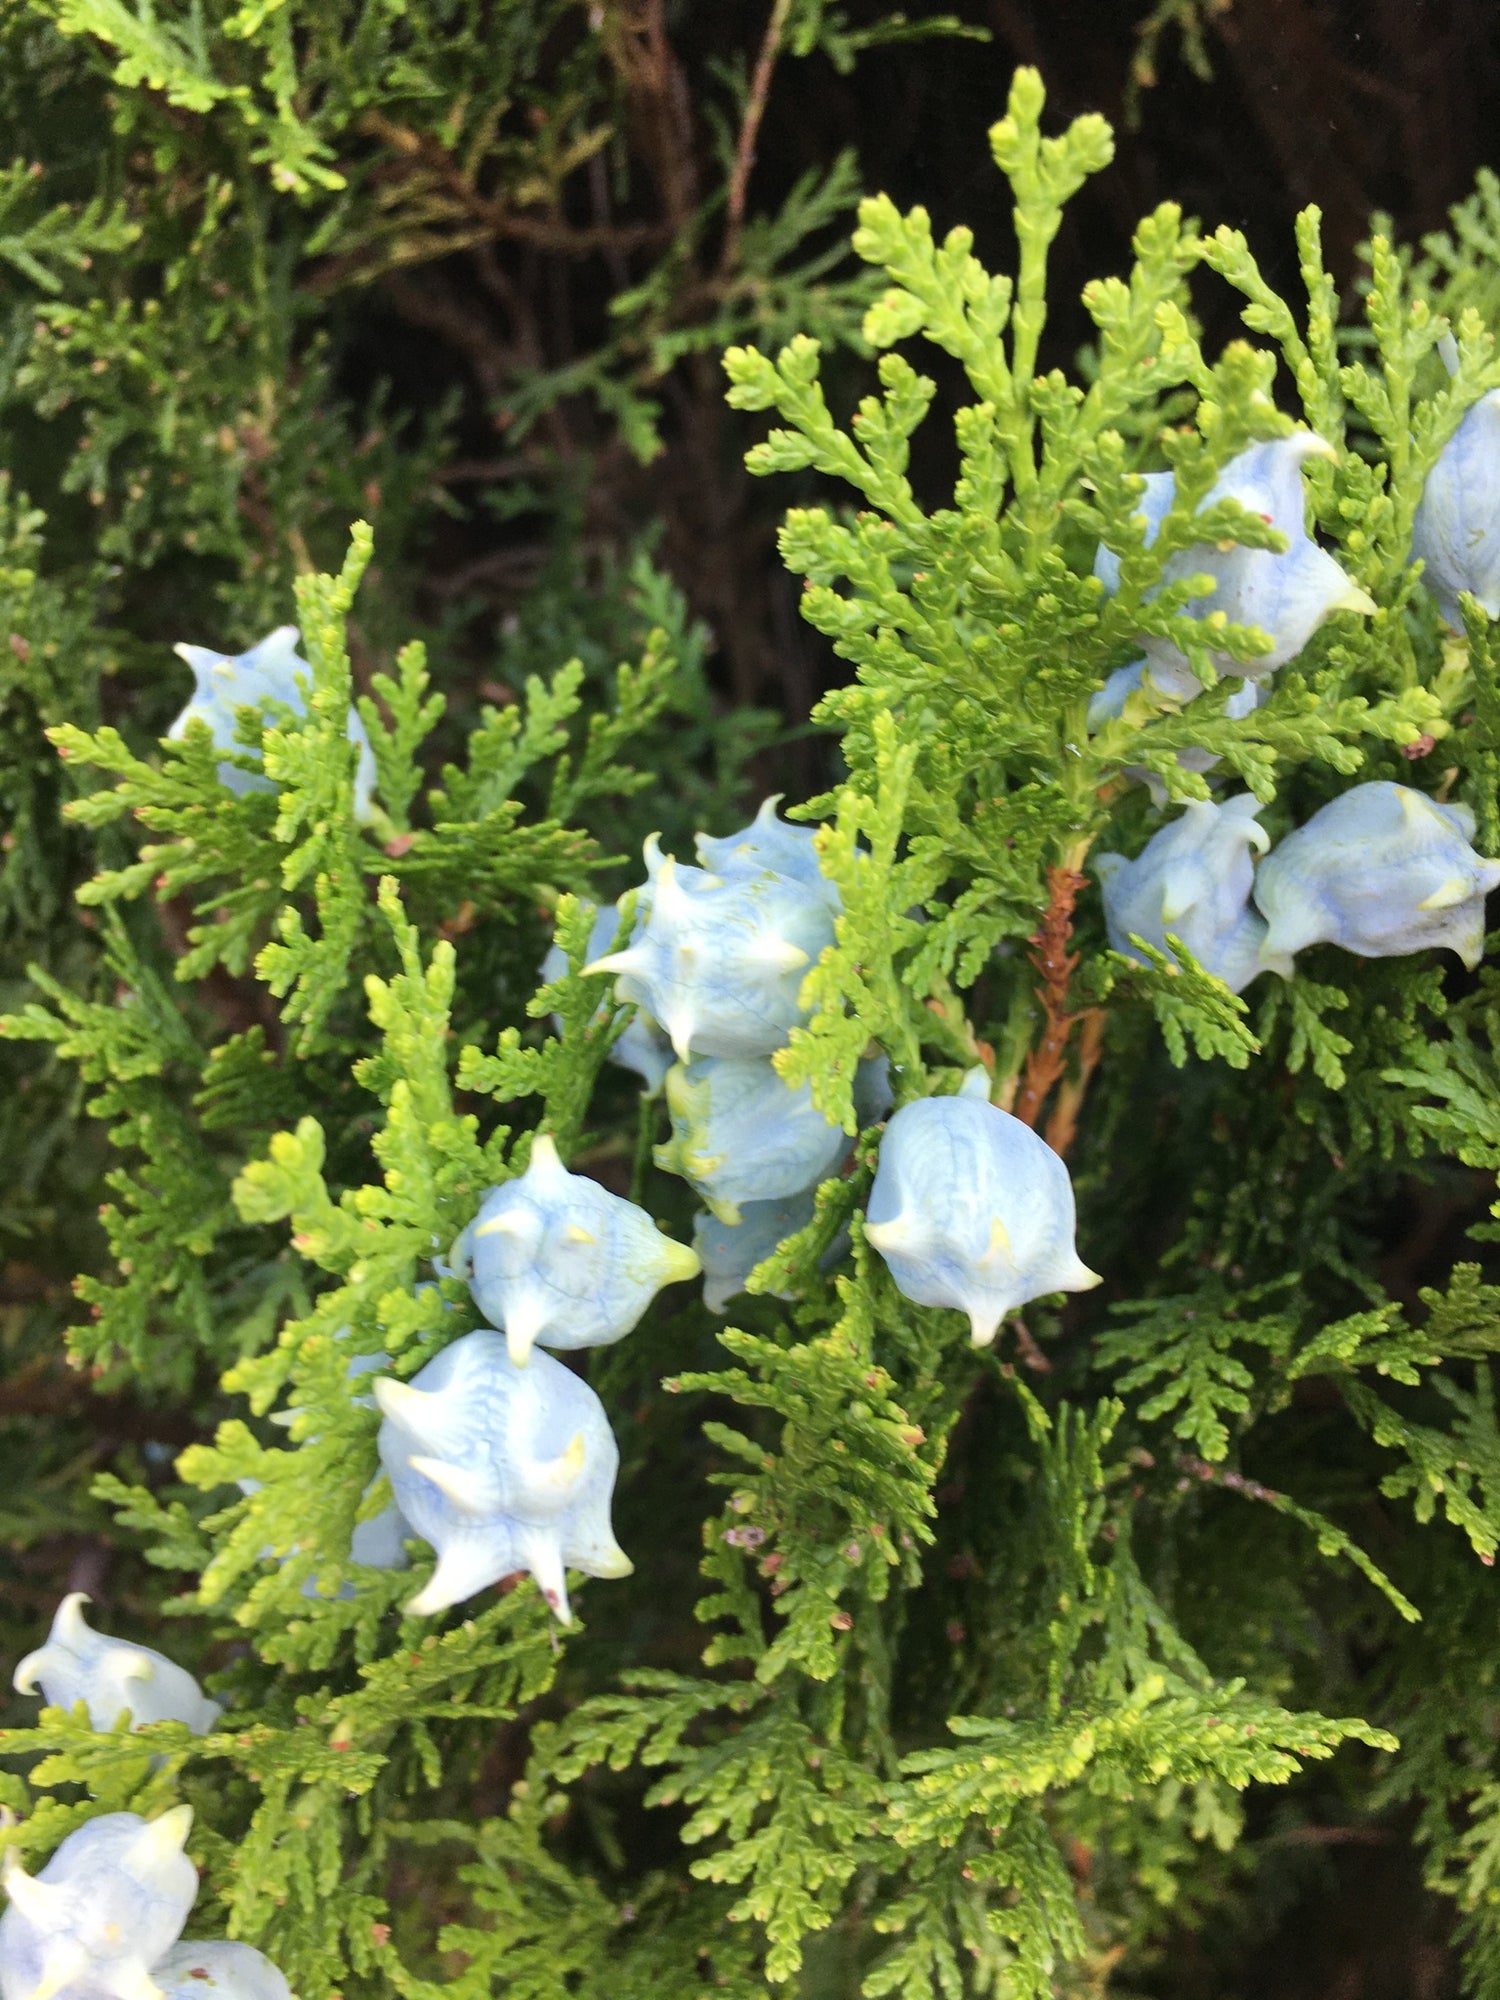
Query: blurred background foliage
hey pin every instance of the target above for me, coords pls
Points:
(466, 271)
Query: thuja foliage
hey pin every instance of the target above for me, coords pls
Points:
(214, 229)
(943, 1669)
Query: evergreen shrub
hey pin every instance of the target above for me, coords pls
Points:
(948, 1664)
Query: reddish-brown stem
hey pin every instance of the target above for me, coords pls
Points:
(1027, 1350)
(749, 133)
(1062, 1126)
(1055, 965)
(635, 33)
(1225, 1476)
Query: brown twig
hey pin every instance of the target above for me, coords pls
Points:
(1027, 1350)
(436, 308)
(1231, 1481)
(1062, 1126)
(614, 256)
(421, 169)
(635, 36)
(553, 233)
(484, 471)
(750, 123)
(1056, 965)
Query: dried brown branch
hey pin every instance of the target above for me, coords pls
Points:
(553, 233)
(656, 88)
(1027, 1350)
(1223, 1475)
(749, 133)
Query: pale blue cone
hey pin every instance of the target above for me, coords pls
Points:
(1193, 879)
(555, 1260)
(502, 1469)
(224, 683)
(971, 1209)
(1382, 870)
(1456, 531)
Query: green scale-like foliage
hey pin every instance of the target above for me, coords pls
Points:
(941, 1672)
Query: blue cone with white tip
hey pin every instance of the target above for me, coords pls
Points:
(971, 1209)
(114, 1677)
(719, 963)
(93, 1923)
(501, 1468)
(1287, 596)
(768, 843)
(641, 1046)
(224, 683)
(554, 1259)
(1456, 531)
(740, 1134)
(1382, 870)
(1193, 878)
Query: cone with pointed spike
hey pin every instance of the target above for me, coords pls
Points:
(558, 1261)
(224, 683)
(41, 1903)
(112, 1676)
(769, 843)
(741, 1135)
(642, 1046)
(513, 1470)
(1381, 870)
(551, 1482)
(1456, 532)
(719, 962)
(99, 1916)
(160, 1840)
(419, 1415)
(1286, 595)
(1193, 879)
(471, 1490)
(219, 1970)
(971, 1209)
